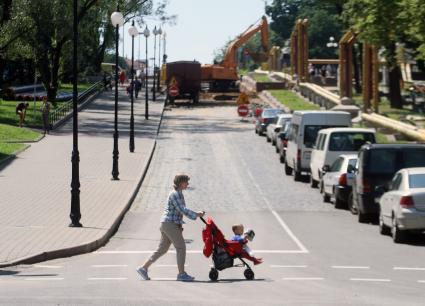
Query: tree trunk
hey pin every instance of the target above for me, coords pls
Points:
(356, 65)
(394, 77)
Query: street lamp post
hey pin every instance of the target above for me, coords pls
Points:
(146, 33)
(159, 59)
(75, 214)
(164, 53)
(155, 32)
(117, 21)
(133, 32)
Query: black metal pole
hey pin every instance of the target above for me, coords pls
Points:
(158, 87)
(115, 153)
(146, 84)
(154, 68)
(131, 95)
(75, 214)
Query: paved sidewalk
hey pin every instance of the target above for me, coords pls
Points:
(35, 192)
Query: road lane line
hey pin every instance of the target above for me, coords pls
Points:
(44, 278)
(303, 278)
(47, 266)
(200, 252)
(290, 233)
(302, 248)
(106, 278)
(351, 267)
(109, 266)
(370, 279)
(421, 281)
(282, 266)
(409, 268)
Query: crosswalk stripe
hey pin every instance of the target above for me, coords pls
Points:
(370, 279)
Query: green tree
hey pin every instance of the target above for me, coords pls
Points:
(382, 23)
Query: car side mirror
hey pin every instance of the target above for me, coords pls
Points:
(380, 190)
(277, 130)
(326, 168)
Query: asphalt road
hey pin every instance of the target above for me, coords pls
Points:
(313, 254)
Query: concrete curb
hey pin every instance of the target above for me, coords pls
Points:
(12, 156)
(96, 244)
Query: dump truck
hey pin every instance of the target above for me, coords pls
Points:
(183, 80)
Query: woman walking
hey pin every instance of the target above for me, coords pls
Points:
(171, 229)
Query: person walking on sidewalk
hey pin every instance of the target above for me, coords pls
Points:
(45, 110)
(171, 229)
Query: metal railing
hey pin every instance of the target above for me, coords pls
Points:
(66, 107)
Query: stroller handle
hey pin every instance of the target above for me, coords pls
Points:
(203, 220)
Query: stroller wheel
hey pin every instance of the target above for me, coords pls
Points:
(213, 274)
(249, 274)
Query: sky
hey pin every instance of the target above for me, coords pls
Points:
(202, 27)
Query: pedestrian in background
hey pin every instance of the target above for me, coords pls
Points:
(21, 111)
(45, 111)
(171, 229)
(122, 77)
(137, 87)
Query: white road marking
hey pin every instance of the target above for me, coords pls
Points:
(109, 266)
(409, 268)
(302, 248)
(106, 278)
(44, 278)
(303, 278)
(47, 267)
(421, 281)
(200, 252)
(370, 279)
(350, 267)
(282, 266)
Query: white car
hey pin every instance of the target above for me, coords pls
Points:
(402, 208)
(274, 128)
(337, 180)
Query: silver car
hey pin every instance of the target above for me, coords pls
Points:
(274, 128)
(402, 207)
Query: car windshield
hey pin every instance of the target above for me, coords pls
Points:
(349, 141)
(417, 180)
(271, 112)
(310, 134)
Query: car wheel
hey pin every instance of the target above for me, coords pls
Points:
(313, 182)
(274, 144)
(383, 229)
(297, 176)
(351, 205)
(326, 197)
(288, 170)
(256, 131)
(282, 159)
(362, 217)
(398, 235)
(277, 148)
(268, 139)
(339, 204)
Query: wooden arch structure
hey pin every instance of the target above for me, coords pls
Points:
(299, 50)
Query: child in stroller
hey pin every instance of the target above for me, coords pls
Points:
(224, 251)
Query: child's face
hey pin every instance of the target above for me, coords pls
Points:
(239, 230)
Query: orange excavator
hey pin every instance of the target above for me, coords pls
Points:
(223, 76)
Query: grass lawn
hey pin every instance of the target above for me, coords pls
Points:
(6, 149)
(292, 100)
(8, 114)
(261, 77)
(67, 87)
(12, 133)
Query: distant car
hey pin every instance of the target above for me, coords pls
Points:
(377, 164)
(282, 141)
(274, 128)
(333, 142)
(402, 208)
(267, 116)
(337, 180)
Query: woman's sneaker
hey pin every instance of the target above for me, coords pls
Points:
(184, 277)
(143, 273)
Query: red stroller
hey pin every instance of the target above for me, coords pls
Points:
(224, 251)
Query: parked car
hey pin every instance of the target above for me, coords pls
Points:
(267, 116)
(402, 208)
(304, 128)
(282, 141)
(274, 128)
(376, 166)
(337, 179)
(333, 142)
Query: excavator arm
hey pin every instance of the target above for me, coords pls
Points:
(229, 59)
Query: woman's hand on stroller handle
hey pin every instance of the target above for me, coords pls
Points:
(200, 214)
